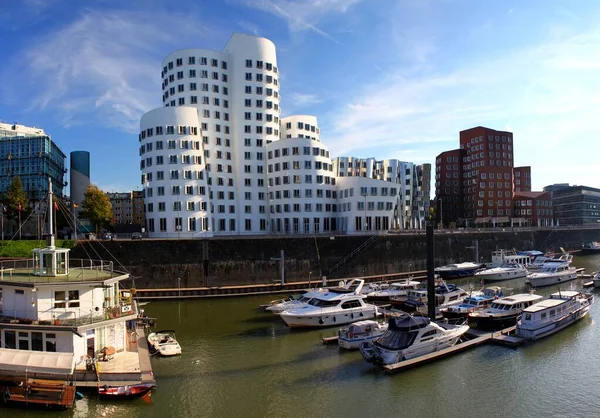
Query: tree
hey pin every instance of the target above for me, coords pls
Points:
(16, 200)
(96, 207)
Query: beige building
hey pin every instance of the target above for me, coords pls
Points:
(127, 208)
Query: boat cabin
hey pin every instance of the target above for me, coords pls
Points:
(510, 303)
(502, 257)
(547, 311)
(402, 332)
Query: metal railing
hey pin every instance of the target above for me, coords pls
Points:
(70, 317)
(80, 270)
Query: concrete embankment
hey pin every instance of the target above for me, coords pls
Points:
(218, 262)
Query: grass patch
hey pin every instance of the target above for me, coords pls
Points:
(23, 248)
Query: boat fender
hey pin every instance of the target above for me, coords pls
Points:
(321, 321)
(361, 314)
(352, 315)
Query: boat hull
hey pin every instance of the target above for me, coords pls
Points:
(541, 281)
(316, 320)
(354, 343)
(125, 392)
(455, 274)
(500, 276)
(494, 323)
(549, 329)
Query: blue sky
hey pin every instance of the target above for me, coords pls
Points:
(386, 78)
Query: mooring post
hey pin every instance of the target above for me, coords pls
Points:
(430, 267)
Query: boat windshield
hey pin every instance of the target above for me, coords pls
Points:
(397, 340)
(470, 301)
(323, 303)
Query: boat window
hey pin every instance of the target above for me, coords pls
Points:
(351, 304)
(453, 298)
(397, 340)
(543, 315)
(323, 303)
(552, 312)
(528, 317)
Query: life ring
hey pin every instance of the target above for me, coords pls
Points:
(321, 321)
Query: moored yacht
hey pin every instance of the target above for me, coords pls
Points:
(501, 257)
(416, 300)
(472, 303)
(553, 314)
(592, 247)
(552, 272)
(453, 271)
(394, 289)
(503, 272)
(358, 332)
(338, 306)
(410, 337)
(503, 312)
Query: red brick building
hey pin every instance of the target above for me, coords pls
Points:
(488, 174)
(448, 184)
(522, 178)
(534, 208)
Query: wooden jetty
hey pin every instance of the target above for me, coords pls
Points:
(475, 338)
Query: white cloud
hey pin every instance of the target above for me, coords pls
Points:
(305, 14)
(300, 100)
(249, 27)
(547, 93)
(103, 68)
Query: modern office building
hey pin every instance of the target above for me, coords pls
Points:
(412, 180)
(576, 205)
(522, 179)
(449, 187)
(488, 170)
(80, 177)
(33, 156)
(217, 159)
(534, 208)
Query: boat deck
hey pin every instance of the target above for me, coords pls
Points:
(126, 368)
(76, 274)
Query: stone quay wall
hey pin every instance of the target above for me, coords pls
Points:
(254, 260)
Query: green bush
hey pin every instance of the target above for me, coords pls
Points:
(23, 248)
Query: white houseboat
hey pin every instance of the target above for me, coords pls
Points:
(553, 314)
(59, 317)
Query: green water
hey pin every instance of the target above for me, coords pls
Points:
(240, 362)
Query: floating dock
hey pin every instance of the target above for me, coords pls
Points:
(475, 338)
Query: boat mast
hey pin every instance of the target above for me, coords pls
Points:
(50, 237)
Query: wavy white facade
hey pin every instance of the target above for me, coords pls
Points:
(366, 205)
(177, 196)
(302, 187)
(217, 159)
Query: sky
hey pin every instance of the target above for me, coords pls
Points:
(386, 78)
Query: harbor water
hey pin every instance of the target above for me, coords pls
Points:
(238, 361)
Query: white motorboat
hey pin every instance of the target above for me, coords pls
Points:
(503, 272)
(552, 272)
(539, 259)
(551, 315)
(294, 303)
(164, 343)
(337, 306)
(394, 289)
(410, 337)
(475, 302)
(503, 312)
(502, 257)
(416, 300)
(596, 279)
(350, 338)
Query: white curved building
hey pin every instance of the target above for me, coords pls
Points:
(302, 187)
(236, 94)
(177, 196)
(230, 166)
(300, 126)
